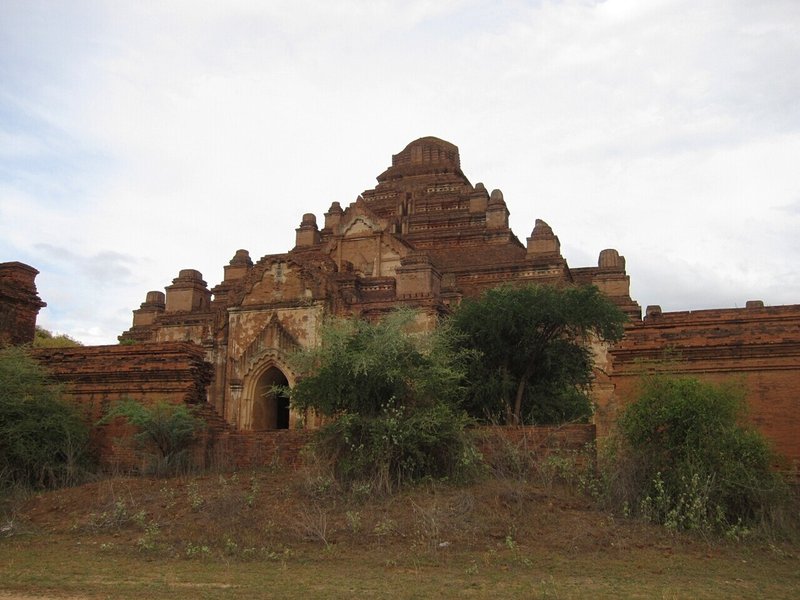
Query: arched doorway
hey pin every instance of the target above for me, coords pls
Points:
(271, 409)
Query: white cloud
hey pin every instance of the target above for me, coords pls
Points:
(150, 137)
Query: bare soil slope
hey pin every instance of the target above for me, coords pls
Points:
(276, 534)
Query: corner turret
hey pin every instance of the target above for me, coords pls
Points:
(497, 211)
(308, 232)
(188, 292)
(543, 243)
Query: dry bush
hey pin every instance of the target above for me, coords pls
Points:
(311, 523)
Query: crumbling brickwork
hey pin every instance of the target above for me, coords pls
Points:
(95, 376)
(19, 303)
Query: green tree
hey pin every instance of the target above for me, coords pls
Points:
(362, 368)
(531, 361)
(45, 339)
(686, 458)
(390, 396)
(166, 431)
(43, 440)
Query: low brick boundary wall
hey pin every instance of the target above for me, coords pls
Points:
(502, 445)
(220, 447)
(283, 448)
(95, 376)
(544, 438)
(248, 449)
(177, 372)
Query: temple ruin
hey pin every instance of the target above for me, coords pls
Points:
(424, 237)
(19, 303)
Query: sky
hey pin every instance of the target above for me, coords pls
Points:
(141, 138)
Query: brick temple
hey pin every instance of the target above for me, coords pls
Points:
(424, 237)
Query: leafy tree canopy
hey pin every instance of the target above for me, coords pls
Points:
(531, 362)
(362, 368)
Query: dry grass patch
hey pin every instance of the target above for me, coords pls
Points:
(273, 534)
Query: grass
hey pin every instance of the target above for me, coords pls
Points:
(66, 567)
(276, 535)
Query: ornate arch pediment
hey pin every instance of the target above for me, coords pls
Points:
(364, 242)
(361, 225)
(359, 216)
(282, 270)
(273, 341)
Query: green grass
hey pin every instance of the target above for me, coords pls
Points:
(66, 566)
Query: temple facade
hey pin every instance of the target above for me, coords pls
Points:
(424, 237)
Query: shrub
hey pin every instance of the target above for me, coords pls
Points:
(43, 440)
(398, 446)
(684, 458)
(391, 397)
(45, 339)
(362, 367)
(165, 431)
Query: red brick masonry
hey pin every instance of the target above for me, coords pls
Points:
(96, 376)
(176, 372)
(758, 347)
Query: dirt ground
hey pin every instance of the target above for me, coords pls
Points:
(237, 534)
(275, 510)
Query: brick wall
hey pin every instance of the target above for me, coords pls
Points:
(280, 448)
(545, 439)
(96, 376)
(538, 442)
(175, 372)
(758, 347)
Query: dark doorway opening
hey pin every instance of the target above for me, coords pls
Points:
(270, 407)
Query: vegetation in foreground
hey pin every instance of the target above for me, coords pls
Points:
(269, 533)
(528, 357)
(399, 401)
(46, 339)
(399, 489)
(684, 457)
(43, 440)
(392, 397)
(165, 432)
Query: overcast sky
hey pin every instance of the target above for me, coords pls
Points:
(141, 138)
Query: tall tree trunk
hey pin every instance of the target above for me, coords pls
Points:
(517, 417)
(523, 383)
(506, 397)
